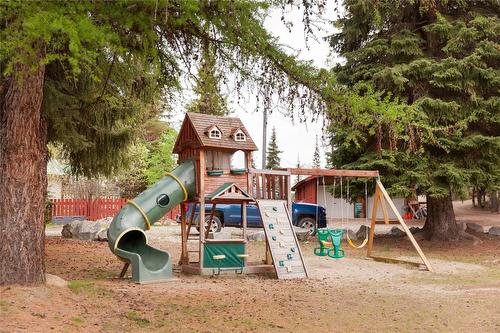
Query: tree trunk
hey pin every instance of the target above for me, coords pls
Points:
(440, 223)
(23, 176)
(494, 201)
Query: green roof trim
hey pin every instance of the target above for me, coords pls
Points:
(220, 190)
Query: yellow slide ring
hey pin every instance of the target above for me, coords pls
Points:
(146, 219)
(180, 184)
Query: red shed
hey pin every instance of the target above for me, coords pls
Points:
(305, 190)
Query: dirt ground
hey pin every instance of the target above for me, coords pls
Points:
(351, 294)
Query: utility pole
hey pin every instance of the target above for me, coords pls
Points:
(264, 139)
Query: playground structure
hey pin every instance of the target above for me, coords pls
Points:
(205, 146)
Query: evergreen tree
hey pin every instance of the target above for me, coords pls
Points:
(150, 157)
(160, 158)
(316, 155)
(87, 74)
(209, 98)
(273, 153)
(421, 87)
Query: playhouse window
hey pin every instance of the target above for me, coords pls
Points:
(214, 133)
(217, 160)
(238, 160)
(240, 136)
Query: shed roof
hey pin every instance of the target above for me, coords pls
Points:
(227, 125)
(322, 180)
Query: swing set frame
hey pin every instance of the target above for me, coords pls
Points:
(380, 197)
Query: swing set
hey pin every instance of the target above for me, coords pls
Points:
(330, 239)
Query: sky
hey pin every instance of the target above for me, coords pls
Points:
(295, 139)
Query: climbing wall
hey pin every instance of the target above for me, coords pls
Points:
(283, 244)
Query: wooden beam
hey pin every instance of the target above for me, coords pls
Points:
(396, 261)
(384, 209)
(334, 172)
(405, 227)
(269, 172)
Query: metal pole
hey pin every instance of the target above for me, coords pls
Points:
(264, 139)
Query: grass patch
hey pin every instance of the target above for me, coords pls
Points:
(4, 305)
(77, 320)
(137, 319)
(86, 287)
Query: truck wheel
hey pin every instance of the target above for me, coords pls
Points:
(216, 224)
(309, 224)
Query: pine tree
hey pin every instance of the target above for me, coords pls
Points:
(209, 99)
(273, 153)
(316, 155)
(422, 85)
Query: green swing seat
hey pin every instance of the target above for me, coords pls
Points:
(329, 243)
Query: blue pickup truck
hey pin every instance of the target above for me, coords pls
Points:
(303, 215)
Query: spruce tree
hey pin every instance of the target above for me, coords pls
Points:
(273, 160)
(419, 100)
(209, 98)
(316, 155)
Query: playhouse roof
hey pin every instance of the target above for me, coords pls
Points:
(200, 124)
(229, 193)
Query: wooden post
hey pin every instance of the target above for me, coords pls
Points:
(202, 204)
(244, 219)
(281, 187)
(264, 186)
(376, 198)
(289, 192)
(257, 186)
(248, 165)
(124, 270)
(269, 257)
(209, 226)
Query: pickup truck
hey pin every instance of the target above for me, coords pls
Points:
(229, 215)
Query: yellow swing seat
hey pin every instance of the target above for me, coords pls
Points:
(351, 243)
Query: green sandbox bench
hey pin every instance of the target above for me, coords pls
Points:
(224, 255)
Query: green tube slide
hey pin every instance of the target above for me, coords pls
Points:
(126, 234)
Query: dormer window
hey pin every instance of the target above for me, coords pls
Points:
(240, 136)
(214, 133)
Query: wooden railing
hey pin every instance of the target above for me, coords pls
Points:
(270, 184)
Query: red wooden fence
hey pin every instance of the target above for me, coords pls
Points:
(94, 209)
